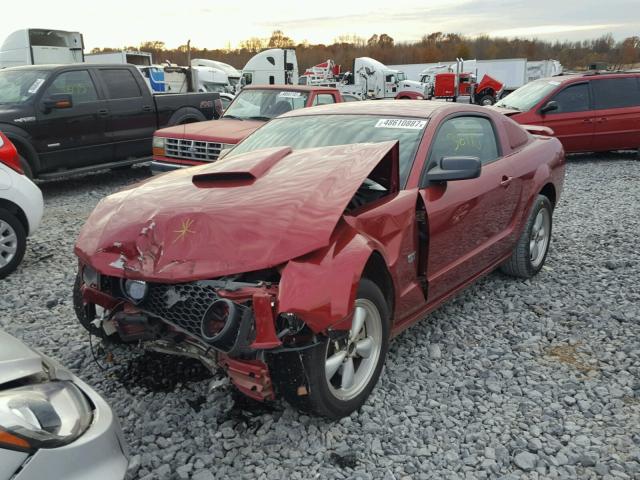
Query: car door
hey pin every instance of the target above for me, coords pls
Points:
(469, 221)
(75, 136)
(616, 104)
(132, 115)
(573, 120)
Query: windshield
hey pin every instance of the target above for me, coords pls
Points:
(525, 97)
(265, 104)
(328, 130)
(401, 76)
(17, 86)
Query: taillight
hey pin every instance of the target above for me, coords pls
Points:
(9, 155)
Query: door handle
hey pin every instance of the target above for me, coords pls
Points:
(505, 181)
(588, 120)
(103, 112)
(146, 108)
(601, 119)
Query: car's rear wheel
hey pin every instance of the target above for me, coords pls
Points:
(341, 372)
(13, 242)
(533, 245)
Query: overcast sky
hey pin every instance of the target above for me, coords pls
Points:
(218, 24)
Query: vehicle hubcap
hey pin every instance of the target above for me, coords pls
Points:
(351, 362)
(539, 239)
(8, 243)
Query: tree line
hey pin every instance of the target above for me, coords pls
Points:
(433, 47)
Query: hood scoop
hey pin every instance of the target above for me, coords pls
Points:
(243, 171)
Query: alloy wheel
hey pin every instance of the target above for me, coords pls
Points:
(351, 362)
(8, 243)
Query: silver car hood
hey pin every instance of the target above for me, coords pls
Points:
(16, 359)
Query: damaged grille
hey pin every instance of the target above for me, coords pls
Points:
(182, 304)
(192, 149)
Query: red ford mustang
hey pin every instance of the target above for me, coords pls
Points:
(292, 262)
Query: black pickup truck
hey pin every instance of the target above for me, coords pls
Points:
(75, 118)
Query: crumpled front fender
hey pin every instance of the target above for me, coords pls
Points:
(321, 287)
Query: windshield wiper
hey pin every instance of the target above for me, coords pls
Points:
(258, 117)
(233, 117)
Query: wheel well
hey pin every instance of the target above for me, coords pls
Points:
(376, 270)
(17, 211)
(184, 121)
(25, 152)
(549, 191)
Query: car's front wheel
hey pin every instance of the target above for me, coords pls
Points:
(341, 372)
(531, 250)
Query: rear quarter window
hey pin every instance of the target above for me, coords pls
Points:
(615, 92)
(120, 83)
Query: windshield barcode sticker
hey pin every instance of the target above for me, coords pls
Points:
(36, 85)
(401, 123)
(289, 94)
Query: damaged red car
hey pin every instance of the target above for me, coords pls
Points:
(291, 262)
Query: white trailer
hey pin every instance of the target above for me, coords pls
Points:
(543, 69)
(276, 66)
(38, 46)
(141, 59)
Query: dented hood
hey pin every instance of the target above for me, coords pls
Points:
(241, 214)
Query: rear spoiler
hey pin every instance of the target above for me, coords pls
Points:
(538, 130)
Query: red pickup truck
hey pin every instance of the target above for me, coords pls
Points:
(197, 143)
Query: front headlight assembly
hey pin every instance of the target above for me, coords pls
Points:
(44, 415)
(157, 146)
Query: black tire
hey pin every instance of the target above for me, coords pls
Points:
(26, 168)
(486, 100)
(520, 264)
(10, 226)
(185, 115)
(301, 378)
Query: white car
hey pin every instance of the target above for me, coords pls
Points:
(21, 207)
(52, 424)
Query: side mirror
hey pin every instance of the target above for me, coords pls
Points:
(455, 168)
(549, 107)
(55, 101)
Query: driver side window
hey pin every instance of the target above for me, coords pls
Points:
(465, 137)
(78, 84)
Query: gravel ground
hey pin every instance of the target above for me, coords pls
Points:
(512, 379)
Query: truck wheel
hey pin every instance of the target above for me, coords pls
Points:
(13, 242)
(340, 374)
(185, 115)
(486, 100)
(531, 250)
